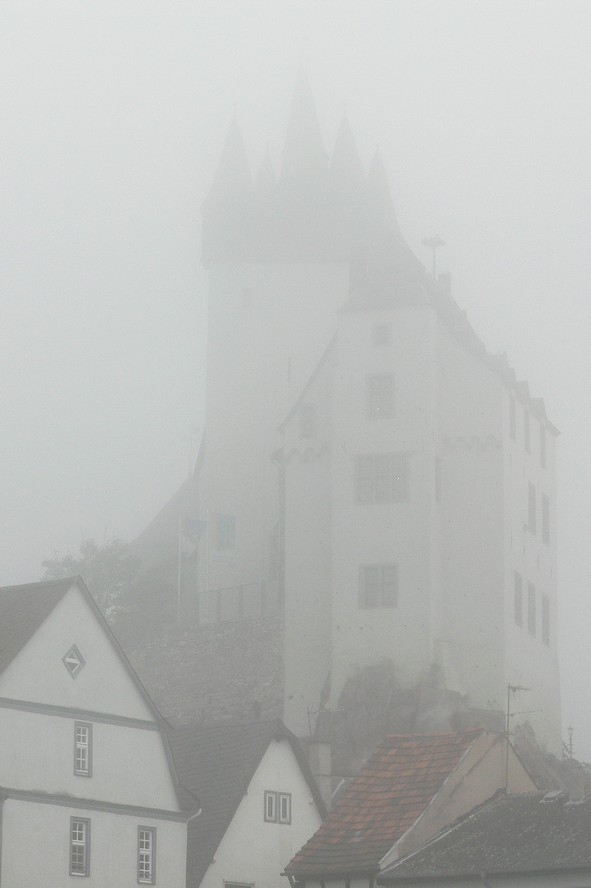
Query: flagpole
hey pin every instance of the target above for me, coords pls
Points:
(178, 589)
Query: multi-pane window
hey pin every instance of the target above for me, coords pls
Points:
(518, 598)
(531, 608)
(308, 420)
(277, 807)
(82, 749)
(545, 619)
(526, 432)
(378, 585)
(382, 478)
(146, 855)
(79, 846)
(380, 395)
(542, 445)
(545, 519)
(531, 508)
(512, 418)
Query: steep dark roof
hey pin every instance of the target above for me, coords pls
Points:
(22, 611)
(382, 802)
(217, 762)
(526, 833)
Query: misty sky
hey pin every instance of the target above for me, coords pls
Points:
(113, 115)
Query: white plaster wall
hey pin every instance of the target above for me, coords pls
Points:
(399, 533)
(36, 847)
(253, 851)
(262, 348)
(129, 765)
(37, 673)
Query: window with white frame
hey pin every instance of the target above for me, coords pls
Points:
(380, 396)
(277, 807)
(82, 749)
(146, 855)
(382, 478)
(378, 585)
(79, 846)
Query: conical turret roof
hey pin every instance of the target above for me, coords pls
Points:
(346, 171)
(304, 158)
(232, 179)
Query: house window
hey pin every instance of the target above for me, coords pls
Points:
(546, 620)
(79, 846)
(545, 519)
(531, 508)
(82, 749)
(308, 421)
(277, 807)
(542, 445)
(512, 418)
(226, 531)
(73, 661)
(380, 396)
(531, 608)
(518, 598)
(271, 807)
(378, 585)
(146, 855)
(382, 478)
(526, 434)
(381, 335)
(284, 807)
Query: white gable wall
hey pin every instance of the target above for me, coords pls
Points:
(253, 851)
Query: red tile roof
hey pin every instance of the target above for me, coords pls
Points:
(381, 803)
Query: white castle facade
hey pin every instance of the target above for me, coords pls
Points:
(368, 468)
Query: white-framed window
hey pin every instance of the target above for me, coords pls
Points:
(382, 478)
(518, 598)
(79, 846)
(378, 585)
(380, 396)
(531, 608)
(277, 807)
(82, 749)
(146, 855)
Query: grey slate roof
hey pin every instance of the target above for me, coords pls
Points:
(217, 763)
(22, 611)
(528, 833)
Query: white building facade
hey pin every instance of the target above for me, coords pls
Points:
(368, 467)
(89, 792)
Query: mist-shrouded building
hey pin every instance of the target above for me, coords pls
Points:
(368, 468)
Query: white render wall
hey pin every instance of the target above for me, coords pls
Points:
(253, 851)
(36, 847)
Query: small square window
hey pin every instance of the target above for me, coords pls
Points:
(277, 807)
(82, 749)
(378, 585)
(146, 855)
(79, 846)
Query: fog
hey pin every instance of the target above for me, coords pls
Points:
(113, 118)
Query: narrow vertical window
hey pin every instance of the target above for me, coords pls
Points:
(270, 807)
(542, 445)
(546, 620)
(518, 598)
(146, 855)
(79, 847)
(526, 433)
(82, 749)
(512, 418)
(545, 519)
(284, 807)
(378, 585)
(531, 508)
(531, 608)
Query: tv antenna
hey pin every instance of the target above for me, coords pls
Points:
(434, 242)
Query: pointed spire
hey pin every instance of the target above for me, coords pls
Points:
(304, 157)
(232, 177)
(380, 206)
(346, 172)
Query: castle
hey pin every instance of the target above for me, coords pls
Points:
(368, 469)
